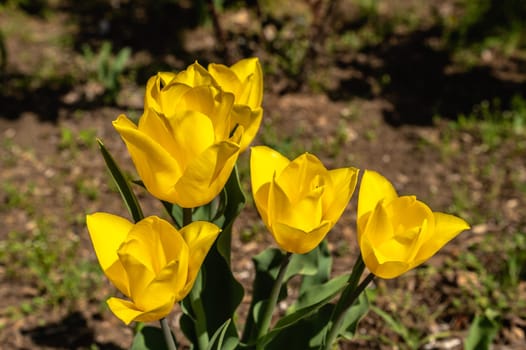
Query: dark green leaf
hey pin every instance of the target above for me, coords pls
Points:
(122, 184)
(323, 268)
(358, 310)
(233, 202)
(267, 265)
(149, 338)
(223, 339)
(481, 332)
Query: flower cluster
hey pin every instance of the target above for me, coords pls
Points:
(185, 148)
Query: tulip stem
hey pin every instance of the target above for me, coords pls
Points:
(347, 299)
(197, 304)
(273, 298)
(187, 216)
(168, 335)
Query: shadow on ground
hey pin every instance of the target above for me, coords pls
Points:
(72, 332)
(419, 87)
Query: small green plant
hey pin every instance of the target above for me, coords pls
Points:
(490, 123)
(107, 68)
(69, 139)
(412, 338)
(51, 263)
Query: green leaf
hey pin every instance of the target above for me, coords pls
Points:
(323, 268)
(266, 266)
(307, 305)
(357, 311)
(122, 184)
(149, 338)
(482, 331)
(319, 295)
(302, 264)
(220, 292)
(222, 338)
(307, 333)
(233, 201)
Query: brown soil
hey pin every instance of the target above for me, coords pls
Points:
(356, 121)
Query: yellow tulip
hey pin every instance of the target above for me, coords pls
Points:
(150, 262)
(163, 90)
(299, 201)
(245, 80)
(186, 154)
(396, 234)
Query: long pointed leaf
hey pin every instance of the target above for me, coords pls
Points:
(122, 184)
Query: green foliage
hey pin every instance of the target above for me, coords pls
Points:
(51, 263)
(149, 338)
(482, 331)
(107, 68)
(488, 23)
(492, 124)
(72, 140)
(127, 194)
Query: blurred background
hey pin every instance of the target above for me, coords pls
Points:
(432, 94)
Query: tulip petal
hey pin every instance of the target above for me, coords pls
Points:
(194, 75)
(297, 241)
(301, 176)
(206, 175)
(250, 73)
(128, 312)
(261, 198)
(250, 119)
(152, 96)
(199, 237)
(193, 133)
(153, 237)
(338, 194)
(373, 188)
(264, 164)
(378, 228)
(157, 128)
(171, 97)
(447, 227)
(294, 214)
(226, 78)
(156, 167)
(391, 269)
(170, 283)
(107, 233)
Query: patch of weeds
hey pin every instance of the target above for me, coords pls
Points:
(16, 197)
(71, 140)
(7, 158)
(483, 25)
(106, 68)
(493, 125)
(490, 274)
(86, 188)
(50, 263)
(288, 145)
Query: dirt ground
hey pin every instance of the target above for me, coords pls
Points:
(355, 120)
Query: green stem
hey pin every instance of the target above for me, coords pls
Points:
(347, 299)
(187, 216)
(168, 336)
(273, 298)
(197, 303)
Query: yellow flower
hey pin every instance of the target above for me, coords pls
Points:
(163, 90)
(150, 262)
(396, 234)
(184, 154)
(300, 200)
(245, 80)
